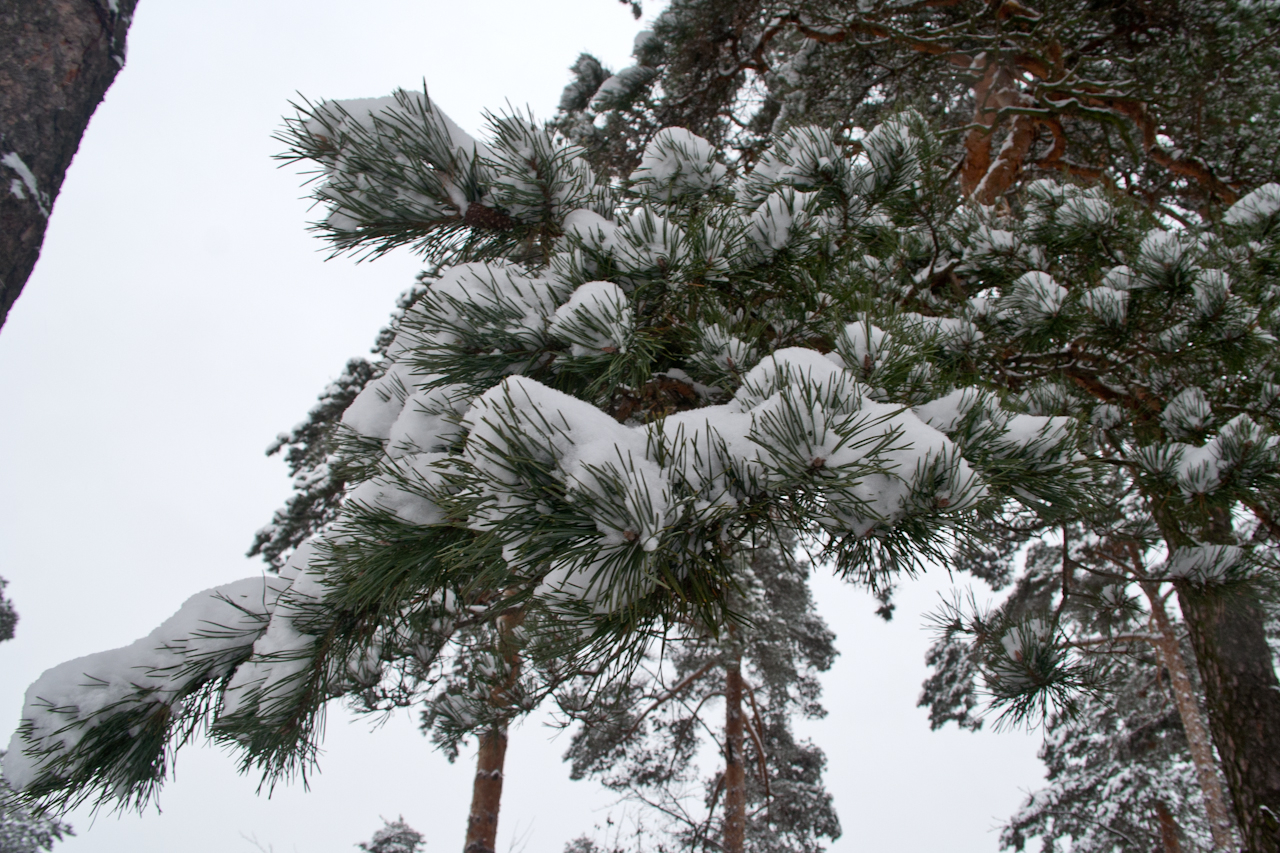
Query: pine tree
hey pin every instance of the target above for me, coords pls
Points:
(610, 527)
(1171, 101)
(1160, 131)
(8, 616)
(644, 742)
(1129, 759)
(658, 60)
(394, 837)
(21, 830)
(602, 397)
(1163, 345)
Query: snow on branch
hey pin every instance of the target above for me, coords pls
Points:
(108, 722)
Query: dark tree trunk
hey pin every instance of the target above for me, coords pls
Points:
(486, 795)
(57, 59)
(1242, 696)
(1169, 842)
(735, 776)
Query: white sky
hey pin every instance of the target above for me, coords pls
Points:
(181, 316)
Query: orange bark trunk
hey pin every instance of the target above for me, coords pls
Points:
(1215, 801)
(735, 776)
(486, 795)
(977, 142)
(1008, 164)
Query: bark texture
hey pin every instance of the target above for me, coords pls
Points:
(1169, 842)
(57, 59)
(486, 795)
(1242, 696)
(1198, 742)
(735, 776)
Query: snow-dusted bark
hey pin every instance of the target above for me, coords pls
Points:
(57, 60)
(734, 835)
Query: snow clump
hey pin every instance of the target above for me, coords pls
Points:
(677, 162)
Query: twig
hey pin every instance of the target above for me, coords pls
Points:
(668, 696)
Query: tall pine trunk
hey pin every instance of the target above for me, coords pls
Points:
(486, 795)
(486, 792)
(1201, 748)
(1242, 695)
(735, 777)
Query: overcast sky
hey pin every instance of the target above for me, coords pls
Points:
(180, 316)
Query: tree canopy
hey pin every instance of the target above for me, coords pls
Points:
(1032, 293)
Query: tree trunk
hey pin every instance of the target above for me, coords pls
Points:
(1242, 696)
(486, 795)
(1169, 842)
(1170, 653)
(735, 776)
(977, 142)
(57, 59)
(981, 177)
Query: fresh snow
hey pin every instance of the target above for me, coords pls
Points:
(1257, 206)
(205, 638)
(597, 318)
(678, 162)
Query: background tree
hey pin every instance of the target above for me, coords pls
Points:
(8, 616)
(1120, 775)
(1191, 319)
(57, 61)
(1128, 758)
(394, 837)
(1149, 328)
(21, 830)
(313, 450)
(646, 741)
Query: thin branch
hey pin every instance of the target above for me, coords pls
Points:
(1098, 823)
(668, 696)
(752, 730)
